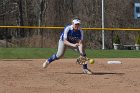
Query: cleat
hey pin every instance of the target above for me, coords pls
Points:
(87, 71)
(45, 64)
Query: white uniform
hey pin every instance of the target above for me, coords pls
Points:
(70, 35)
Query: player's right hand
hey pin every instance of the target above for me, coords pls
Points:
(76, 45)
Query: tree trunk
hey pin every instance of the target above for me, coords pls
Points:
(21, 22)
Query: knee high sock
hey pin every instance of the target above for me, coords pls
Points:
(52, 58)
(85, 66)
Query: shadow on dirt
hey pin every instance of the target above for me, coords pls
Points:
(106, 73)
(99, 73)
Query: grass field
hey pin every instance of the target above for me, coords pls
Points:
(37, 53)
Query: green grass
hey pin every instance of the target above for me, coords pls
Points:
(38, 53)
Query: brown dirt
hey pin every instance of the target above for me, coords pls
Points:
(64, 76)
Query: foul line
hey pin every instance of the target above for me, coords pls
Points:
(51, 27)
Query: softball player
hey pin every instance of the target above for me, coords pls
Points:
(71, 37)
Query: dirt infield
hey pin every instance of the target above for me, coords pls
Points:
(64, 76)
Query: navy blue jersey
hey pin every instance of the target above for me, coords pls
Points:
(71, 35)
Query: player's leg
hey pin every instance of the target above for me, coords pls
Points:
(59, 54)
(82, 52)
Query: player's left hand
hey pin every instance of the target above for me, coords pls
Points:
(82, 60)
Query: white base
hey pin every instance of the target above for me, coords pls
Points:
(114, 62)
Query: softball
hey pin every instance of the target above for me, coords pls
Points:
(91, 61)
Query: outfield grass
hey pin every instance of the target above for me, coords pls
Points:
(38, 53)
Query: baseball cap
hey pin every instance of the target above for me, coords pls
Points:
(76, 21)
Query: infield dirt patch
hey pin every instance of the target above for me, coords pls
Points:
(64, 76)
